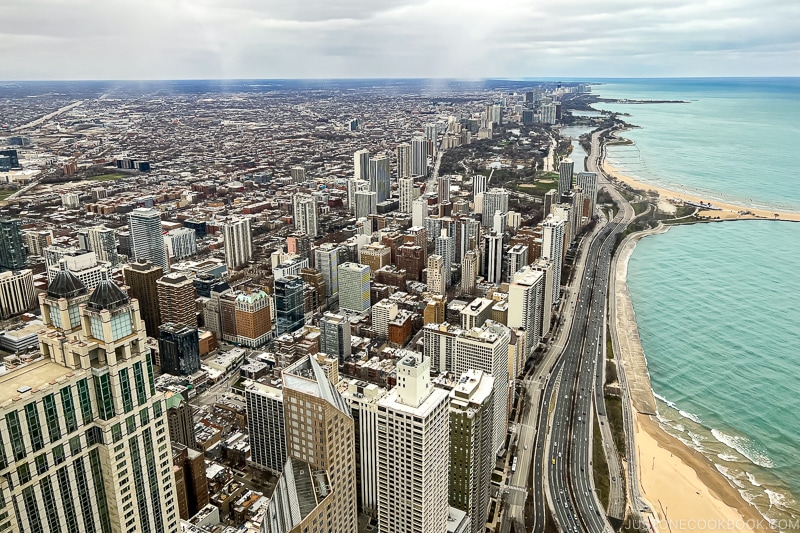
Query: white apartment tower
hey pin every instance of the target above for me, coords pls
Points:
(545, 266)
(419, 156)
(486, 348)
(495, 199)
(479, 183)
(437, 280)
(326, 259)
(493, 260)
(238, 240)
(16, 292)
(181, 243)
(419, 212)
(305, 214)
(361, 165)
(403, 160)
(525, 302)
(407, 190)
(354, 287)
(553, 249)
(383, 312)
(517, 258)
(380, 180)
(85, 438)
(565, 172)
(366, 203)
(587, 181)
(413, 450)
(103, 243)
(147, 241)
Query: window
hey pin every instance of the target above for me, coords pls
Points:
(58, 454)
(116, 432)
(74, 315)
(15, 433)
(34, 426)
(102, 391)
(24, 473)
(41, 464)
(86, 401)
(97, 327)
(51, 415)
(121, 326)
(125, 387)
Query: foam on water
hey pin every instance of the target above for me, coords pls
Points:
(744, 447)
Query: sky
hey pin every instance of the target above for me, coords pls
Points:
(211, 39)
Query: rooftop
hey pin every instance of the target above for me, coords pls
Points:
(30, 377)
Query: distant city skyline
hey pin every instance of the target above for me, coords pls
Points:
(249, 39)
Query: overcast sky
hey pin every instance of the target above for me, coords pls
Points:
(184, 39)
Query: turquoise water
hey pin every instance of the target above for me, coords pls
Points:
(717, 309)
(717, 304)
(735, 140)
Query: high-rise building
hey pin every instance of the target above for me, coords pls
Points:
(305, 214)
(176, 296)
(147, 237)
(353, 186)
(403, 161)
(479, 184)
(546, 268)
(486, 348)
(94, 393)
(361, 165)
(366, 204)
(80, 262)
(553, 249)
(517, 258)
(103, 242)
(443, 189)
(445, 246)
(411, 259)
(565, 172)
(525, 304)
(179, 349)
(413, 449)
(375, 256)
(37, 241)
(141, 278)
(265, 425)
(419, 156)
(12, 249)
(16, 292)
(494, 199)
(298, 174)
(406, 189)
(354, 286)
(181, 243)
(469, 272)
(471, 455)
(299, 244)
(383, 312)
(419, 211)
(191, 484)
(179, 419)
(437, 279)
(253, 318)
(289, 304)
(335, 336)
(380, 179)
(587, 181)
(363, 398)
(326, 259)
(316, 491)
(493, 258)
(238, 239)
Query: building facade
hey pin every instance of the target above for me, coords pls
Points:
(147, 237)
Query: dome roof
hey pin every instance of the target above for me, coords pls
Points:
(66, 285)
(108, 296)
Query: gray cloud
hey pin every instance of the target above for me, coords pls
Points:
(151, 39)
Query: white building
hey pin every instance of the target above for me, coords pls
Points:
(103, 242)
(354, 287)
(181, 243)
(403, 161)
(525, 302)
(383, 312)
(71, 200)
(363, 398)
(353, 186)
(407, 196)
(479, 182)
(380, 176)
(553, 249)
(419, 212)
(305, 214)
(565, 172)
(517, 258)
(419, 156)
(265, 426)
(587, 181)
(445, 246)
(495, 199)
(545, 266)
(361, 165)
(238, 239)
(413, 451)
(83, 265)
(298, 174)
(437, 280)
(326, 259)
(366, 203)
(493, 262)
(147, 237)
(16, 292)
(486, 348)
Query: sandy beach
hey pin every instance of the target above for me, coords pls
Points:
(685, 490)
(728, 212)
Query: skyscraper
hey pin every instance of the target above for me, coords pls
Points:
(493, 260)
(181, 243)
(565, 170)
(517, 258)
(37, 241)
(103, 242)
(12, 249)
(469, 272)
(361, 165)
(335, 336)
(298, 174)
(419, 211)
(380, 176)
(238, 239)
(375, 256)
(366, 203)
(305, 214)
(587, 181)
(265, 425)
(16, 292)
(141, 278)
(545, 266)
(176, 295)
(105, 422)
(179, 349)
(179, 420)
(553, 249)
(495, 199)
(354, 283)
(437, 280)
(316, 490)
(353, 186)
(445, 246)
(486, 348)
(147, 237)
(479, 182)
(471, 455)
(443, 188)
(419, 156)
(406, 186)
(289, 304)
(525, 302)
(413, 435)
(326, 258)
(403, 160)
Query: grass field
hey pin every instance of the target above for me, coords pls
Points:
(600, 466)
(5, 193)
(107, 177)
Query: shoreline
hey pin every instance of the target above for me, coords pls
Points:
(683, 487)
